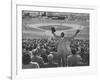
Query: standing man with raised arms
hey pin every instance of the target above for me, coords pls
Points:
(63, 48)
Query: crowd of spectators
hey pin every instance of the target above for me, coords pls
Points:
(42, 53)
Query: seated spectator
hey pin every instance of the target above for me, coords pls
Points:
(50, 62)
(74, 59)
(55, 56)
(42, 52)
(37, 58)
(26, 62)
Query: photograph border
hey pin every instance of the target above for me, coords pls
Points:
(17, 34)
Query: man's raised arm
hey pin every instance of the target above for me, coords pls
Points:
(75, 34)
(53, 32)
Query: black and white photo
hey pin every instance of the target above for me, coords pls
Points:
(52, 40)
(55, 39)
